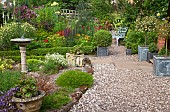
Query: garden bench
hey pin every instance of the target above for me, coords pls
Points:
(119, 34)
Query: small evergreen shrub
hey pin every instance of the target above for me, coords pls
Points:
(56, 99)
(133, 39)
(74, 79)
(34, 64)
(102, 38)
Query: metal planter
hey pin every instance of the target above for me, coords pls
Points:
(161, 65)
(142, 53)
(102, 51)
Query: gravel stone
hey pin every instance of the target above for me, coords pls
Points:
(124, 90)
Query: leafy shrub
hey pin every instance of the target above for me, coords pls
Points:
(56, 99)
(74, 79)
(34, 64)
(57, 41)
(162, 51)
(153, 47)
(8, 79)
(14, 30)
(49, 68)
(133, 39)
(102, 38)
(152, 37)
(27, 87)
(6, 64)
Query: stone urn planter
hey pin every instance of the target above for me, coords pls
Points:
(102, 51)
(142, 53)
(128, 51)
(32, 104)
(161, 65)
(74, 60)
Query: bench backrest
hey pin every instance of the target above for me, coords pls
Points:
(122, 31)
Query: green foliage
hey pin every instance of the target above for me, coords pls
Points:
(34, 64)
(74, 79)
(101, 8)
(146, 24)
(56, 99)
(80, 49)
(153, 47)
(14, 30)
(57, 41)
(152, 37)
(133, 39)
(27, 87)
(44, 51)
(18, 58)
(102, 38)
(162, 52)
(6, 64)
(47, 16)
(52, 63)
(8, 79)
(49, 68)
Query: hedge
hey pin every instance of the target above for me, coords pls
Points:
(41, 52)
(18, 58)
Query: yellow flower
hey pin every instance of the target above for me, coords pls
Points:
(54, 4)
(58, 12)
(78, 35)
(158, 14)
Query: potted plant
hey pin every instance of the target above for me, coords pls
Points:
(28, 98)
(146, 24)
(152, 51)
(102, 39)
(161, 63)
(128, 48)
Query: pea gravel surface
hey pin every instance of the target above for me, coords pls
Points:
(124, 90)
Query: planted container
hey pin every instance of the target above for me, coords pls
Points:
(102, 39)
(142, 53)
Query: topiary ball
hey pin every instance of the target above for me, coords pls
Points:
(74, 79)
(102, 38)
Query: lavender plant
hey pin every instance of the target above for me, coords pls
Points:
(6, 103)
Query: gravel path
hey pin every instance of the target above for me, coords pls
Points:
(124, 90)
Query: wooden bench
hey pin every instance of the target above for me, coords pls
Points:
(121, 33)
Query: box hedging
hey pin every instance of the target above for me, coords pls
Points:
(18, 58)
(44, 51)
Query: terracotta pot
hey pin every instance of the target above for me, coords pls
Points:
(29, 104)
(160, 43)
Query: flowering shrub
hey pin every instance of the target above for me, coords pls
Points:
(24, 13)
(57, 58)
(14, 30)
(6, 64)
(56, 40)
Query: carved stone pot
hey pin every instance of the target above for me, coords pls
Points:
(32, 104)
(74, 60)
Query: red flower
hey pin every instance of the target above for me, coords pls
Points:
(46, 40)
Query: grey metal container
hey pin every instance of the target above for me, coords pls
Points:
(161, 65)
(142, 53)
(102, 51)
